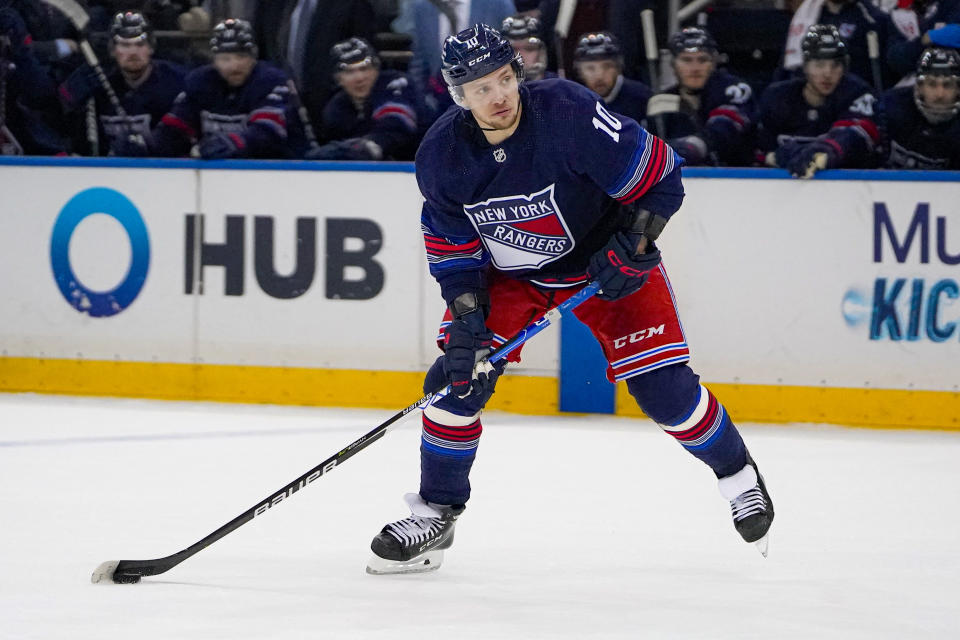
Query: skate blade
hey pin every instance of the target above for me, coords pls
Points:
(763, 545)
(429, 561)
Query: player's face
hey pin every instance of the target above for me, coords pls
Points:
(938, 92)
(494, 99)
(823, 75)
(358, 80)
(234, 68)
(599, 75)
(693, 68)
(132, 54)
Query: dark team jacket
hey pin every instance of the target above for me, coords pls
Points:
(261, 111)
(539, 204)
(726, 119)
(389, 116)
(903, 53)
(629, 98)
(913, 142)
(28, 92)
(846, 120)
(144, 105)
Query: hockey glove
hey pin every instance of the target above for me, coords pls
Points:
(693, 149)
(466, 342)
(814, 156)
(220, 146)
(130, 146)
(618, 268)
(350, 149)
(81, 85)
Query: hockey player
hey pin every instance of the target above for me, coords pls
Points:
(598, 63)
(25, 90)
(145, 87)
(530, 192)
(236, 107)
(922, 122)
(524, 35)
(917, 24)
(854, 19)
(824, 120)
(374, 115)
(714, 118)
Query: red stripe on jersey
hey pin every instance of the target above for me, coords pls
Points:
(389, 110)
(173, 121)
(733, 114)
(651, 174)
(268, 115)
(866, 125)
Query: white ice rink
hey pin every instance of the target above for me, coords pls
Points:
(580, 527)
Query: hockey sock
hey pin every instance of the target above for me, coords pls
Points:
(448, 447)
(707, 432)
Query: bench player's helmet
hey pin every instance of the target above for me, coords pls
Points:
(943, 63)
(823, 42)
(233, 36)
(526, 29)
(130, 26)
(474, 53)
(354, 53)
(597, 46)
(691, 40)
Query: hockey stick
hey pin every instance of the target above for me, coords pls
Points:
(653, 58)
(873, 52)
(304, 116)
(79, 18)
(130, 571)
(93, 133)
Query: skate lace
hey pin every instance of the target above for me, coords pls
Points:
(748, 503)
(415, 529)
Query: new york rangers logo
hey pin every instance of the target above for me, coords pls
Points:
(521, 231)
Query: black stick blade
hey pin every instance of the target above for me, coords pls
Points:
(107, 572)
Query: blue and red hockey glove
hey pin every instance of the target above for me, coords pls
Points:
(619, 269)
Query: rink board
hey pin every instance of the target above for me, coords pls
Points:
(830, 300)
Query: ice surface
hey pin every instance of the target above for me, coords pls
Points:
(580, 527)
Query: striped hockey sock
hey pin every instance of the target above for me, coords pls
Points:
(448, 447)
(707, 432)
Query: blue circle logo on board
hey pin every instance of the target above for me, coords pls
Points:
(99, 304)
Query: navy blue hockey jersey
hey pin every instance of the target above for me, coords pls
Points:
(144, 105)
(913, 142)
(847, 118)
(389, 116)
(261, 112)
(629, 98)
(725, 119)
(537, 205)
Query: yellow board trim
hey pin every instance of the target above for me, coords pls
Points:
(885, 408)
(877, 408)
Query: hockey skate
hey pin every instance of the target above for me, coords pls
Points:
(750, 504)
(414, 544)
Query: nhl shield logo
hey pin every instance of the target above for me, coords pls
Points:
(499, 154)
(521, 231)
